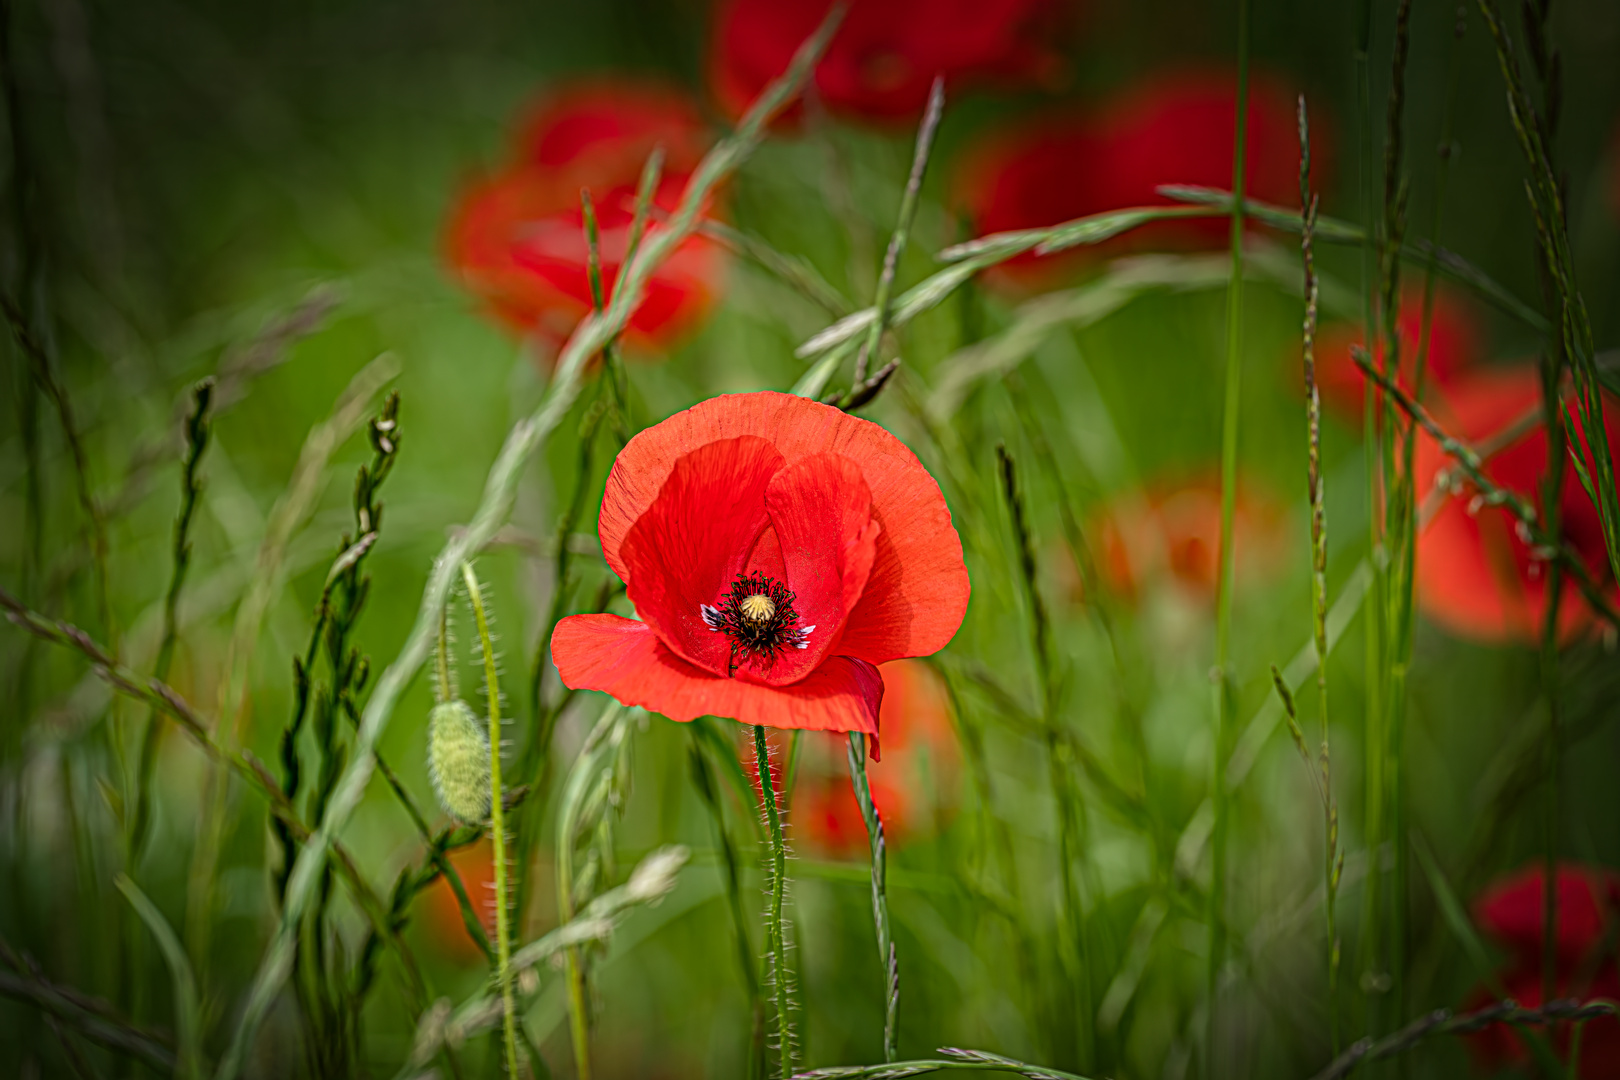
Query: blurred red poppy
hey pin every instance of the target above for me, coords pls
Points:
(517, 239)
(1475, 575)
(1511, 912)
(1176, 128)
(1454, 347)
(1171, 535)
(442, 917)
(776, 550)
(914, 778)
(886, 53)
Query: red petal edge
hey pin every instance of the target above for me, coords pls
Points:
(624, 658)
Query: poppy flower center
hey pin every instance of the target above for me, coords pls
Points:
(757, 614)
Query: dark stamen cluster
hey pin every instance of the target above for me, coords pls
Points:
(757, 615)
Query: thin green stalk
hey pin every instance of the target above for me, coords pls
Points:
(956, 1061)
(704, 779)
(1332, 860)
(902, 231)
(1374, 731)
(191, 485)
(497, 822)
(444, 684)
(775, 938)
(1223, 588)
(1552, 368)
(887, 957)
(1396, 451)
(95, 520)
(1060, 762)
(1545, 190)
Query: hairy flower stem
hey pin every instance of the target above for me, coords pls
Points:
(775, 939)
(880, 895)
(1224, 702)
(497, 822)
(704, 778)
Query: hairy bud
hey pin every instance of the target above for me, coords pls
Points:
(458, 759)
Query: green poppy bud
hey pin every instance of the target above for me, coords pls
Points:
(458, 759)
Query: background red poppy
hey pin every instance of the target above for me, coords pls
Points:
(886, 53)
(517, 238)
(441, 914)
(1173, 128)
(1454, 347)
(913, 781)
(1170, 535)
(1475, 575)
(1511, 912)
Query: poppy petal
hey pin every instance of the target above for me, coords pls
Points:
(918, 590)
(821, 512)
(626, 659)
(695, 538)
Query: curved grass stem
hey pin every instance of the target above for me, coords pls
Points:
(880, 896)
(497, 823)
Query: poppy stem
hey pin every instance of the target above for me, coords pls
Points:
(497, 822)
(880, 895)
(775, 941)
(704, 778)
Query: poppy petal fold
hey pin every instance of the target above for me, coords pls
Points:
(695, 538)
(821, 513)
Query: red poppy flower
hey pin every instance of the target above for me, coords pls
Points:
(1454, 346)
(476, 866)
(1511, 912)
(886, 53)
(1174, 129)
(777, 550)
(1476, 575)
(919, 764)
(517, 238)
(1171, 535)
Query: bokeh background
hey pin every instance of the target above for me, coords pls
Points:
(197, 188)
